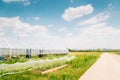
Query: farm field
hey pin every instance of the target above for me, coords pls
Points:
(59, 40)
(73, 71)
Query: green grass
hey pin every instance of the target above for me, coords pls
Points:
(73, 71)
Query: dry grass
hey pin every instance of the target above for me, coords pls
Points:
(84, 53)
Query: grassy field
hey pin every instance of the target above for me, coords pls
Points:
(73, 71)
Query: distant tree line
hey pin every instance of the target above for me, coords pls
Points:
(94, 50)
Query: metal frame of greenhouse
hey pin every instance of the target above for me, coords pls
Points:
(32, 52)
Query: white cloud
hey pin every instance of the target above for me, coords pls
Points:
(69, 34)
(96, 19)
(15, 25)
(1, 33)
(21, 34)
(100, 29)
(25, 2)
(73, 13)
(63, 29)
(98, 35)
(36, 18)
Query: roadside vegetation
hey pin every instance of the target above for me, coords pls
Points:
(118, 53)
(94, 50)
(73, 71)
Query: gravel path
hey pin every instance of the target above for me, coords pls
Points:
(106, 68)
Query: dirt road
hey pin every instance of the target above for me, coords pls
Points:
(106, 68)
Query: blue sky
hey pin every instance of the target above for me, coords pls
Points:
(62, 23)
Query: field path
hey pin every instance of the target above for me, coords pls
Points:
(106, 68)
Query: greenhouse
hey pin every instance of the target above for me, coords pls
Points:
(11, 50)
